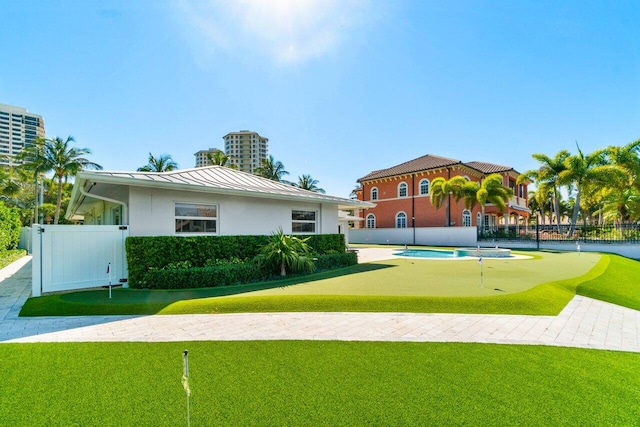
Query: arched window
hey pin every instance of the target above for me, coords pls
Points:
(424, 187)
(402, 189)
(401, 220)
(466, 218)
(374, 193)
(479, 219)
(371, 221)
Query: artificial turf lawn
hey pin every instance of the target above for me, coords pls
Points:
(423, 286)
(316, 383)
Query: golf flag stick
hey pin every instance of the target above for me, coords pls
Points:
(481, 278)
(185, 381)
(109, 275)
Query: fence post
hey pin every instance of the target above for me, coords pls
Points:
(537, 235)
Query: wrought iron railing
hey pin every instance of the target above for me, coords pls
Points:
(618, 233)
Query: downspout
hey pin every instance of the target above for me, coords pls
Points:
(125, 211)
(413, 206)
(448, 213)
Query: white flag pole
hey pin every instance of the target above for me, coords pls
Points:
(481, 278)
(185, 381)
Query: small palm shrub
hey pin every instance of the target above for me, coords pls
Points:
(285, 252)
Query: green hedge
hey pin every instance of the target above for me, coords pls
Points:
(203, 277)
(10, 227)
(147, 253)
(7, 257)
(330, 261)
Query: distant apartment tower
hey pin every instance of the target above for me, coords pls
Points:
(18, 129)
(245, 149)
(202, 157)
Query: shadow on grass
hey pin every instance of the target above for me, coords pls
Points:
(144, 301)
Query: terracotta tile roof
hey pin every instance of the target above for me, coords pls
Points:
(426, 162)
(485, 167)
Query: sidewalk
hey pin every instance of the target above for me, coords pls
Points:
(584, 322)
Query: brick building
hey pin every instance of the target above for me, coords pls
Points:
(402, 195)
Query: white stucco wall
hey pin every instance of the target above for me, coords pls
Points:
(151, 213)
(430, 236)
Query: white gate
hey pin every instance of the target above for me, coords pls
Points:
(67, 257)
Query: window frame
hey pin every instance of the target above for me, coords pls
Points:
(299, 221)
(466, 218)
(213, 219)
(370, 221)
(374, 193)
(403, 186)
(400, 215)
(428, 183)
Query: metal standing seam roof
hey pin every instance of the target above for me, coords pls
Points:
(214, 178)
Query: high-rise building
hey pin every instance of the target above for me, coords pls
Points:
(18, 129)
(245, 149)
(202, 157)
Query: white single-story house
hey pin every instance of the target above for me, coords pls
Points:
(212, 200)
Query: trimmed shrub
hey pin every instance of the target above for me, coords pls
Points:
(147, 253)
(202, 277)
(336, 260)
(10, 226)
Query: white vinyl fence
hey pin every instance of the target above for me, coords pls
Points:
(67, 257)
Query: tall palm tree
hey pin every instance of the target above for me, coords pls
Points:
(628, 160)
(622, 204)
(307, 183)
(583, 170)
(271, 169)
(58, 156)
(442, 189)
(492, 191)
(163, 163)
(549, 175)
(219, 158)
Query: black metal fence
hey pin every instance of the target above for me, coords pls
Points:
(621, 233)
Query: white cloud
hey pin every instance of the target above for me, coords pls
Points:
(282, 31)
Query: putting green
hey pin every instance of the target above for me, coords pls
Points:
(434, 277)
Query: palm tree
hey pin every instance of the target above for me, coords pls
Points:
(627, 159)
(549, 175)
(492, 191)
(621, 204)
(287, 252)
(442, 189)
(219, 158)
(271, 169)
(164, 163)
(307, 183)
(581, 170)
(58, 156)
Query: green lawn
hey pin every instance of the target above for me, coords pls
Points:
(316, 383)
(541, 285)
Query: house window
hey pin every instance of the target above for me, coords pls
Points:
(371, 221)
(401, 220)
(303, 222)
(402, 189)
(466, 218)
(194, 218)
(117, 215)
(424, 187)
(374, 193)
(479, 219)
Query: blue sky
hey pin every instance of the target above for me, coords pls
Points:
(339, 87)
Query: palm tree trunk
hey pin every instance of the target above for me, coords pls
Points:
(576, 210)
(59, 201)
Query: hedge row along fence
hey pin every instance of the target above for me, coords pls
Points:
(173, 262)
(10, 226)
